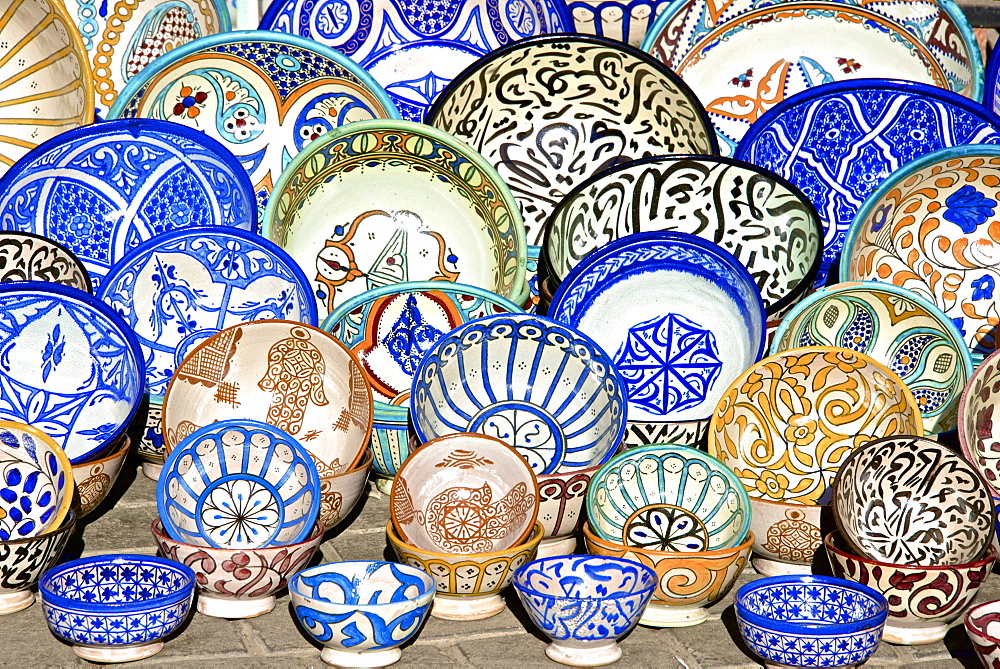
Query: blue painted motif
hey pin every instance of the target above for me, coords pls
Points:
(983, 288)
(33, 485)
(411, 337)
(968, 208)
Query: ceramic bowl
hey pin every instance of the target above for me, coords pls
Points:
(687, 583)
(361, 611)
(664, 497)
(29, 257)
(384, 202)
(239, 582)
(623, 20)
(979, 439)
(788, 537)
(926, 229)
(338, 493)
(238, 484)
(95, 478)
(539, 110)
(292, 376)
(545, 389)
(179, 288)
(923, 600)
(788, 423)
(584, 604)
(429, 45)
(464, 493)
(889, 122)
(71, 366)
(679, 316)
(36, 482)
(810, 621)
(47, 86)
(116, 608)
(912, 501)
(264, 95)
(23, 561)
(981, 628)
(560, 509)
(468, 585)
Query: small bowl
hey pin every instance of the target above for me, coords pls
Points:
(469, 585)
(25, 256)
(923, 601)
(984, 633)
(788, 536)
(235, 582)
(36, 482)
(687, 583)
(94, 479)
(584, 604)
(560, 509)
(361, 612)
(116, 608)
(810, 621)
(23, 561)
(977, 433)
(338, 493)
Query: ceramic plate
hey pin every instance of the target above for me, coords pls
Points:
(549, 112)
(415, 49)
(180, 288)
(238, 484)
(292, 376)
(104, 189)
(929, 228)
(28, 257)
(70, 366)
(838, 142)
(36, 482)
(383, 202)
(263, 95)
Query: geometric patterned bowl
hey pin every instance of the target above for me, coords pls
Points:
(978, 434)
(36, 482)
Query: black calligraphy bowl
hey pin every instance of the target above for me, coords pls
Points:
(23, 561)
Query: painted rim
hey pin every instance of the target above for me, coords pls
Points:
(650, 575)
(833, 629)
(105, 609)
(426, 591)
(90, 88)
(978, 631)
(531, 544)
(830, 541)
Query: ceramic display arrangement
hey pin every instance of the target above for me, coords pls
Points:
(361, 611)
(23, 561)
(29, 257)
(95, 478)
(555, 397)
(560, 510)
(103, 189)
(861, 131)
(47, 84)
(810, 621)
(71, 366)
(584, 604)
(623, 20)
(464, 493)
(895, 326)
(982, 630)
(239, 582)
(923, 600)
(415, 50)
(116, 608)
(679, 316)
(979, 439)
(687, 583)
(340, 492)
(926, 228)
(36, 482)
(468, 584)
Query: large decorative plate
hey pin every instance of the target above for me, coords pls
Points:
(180, 288)
(238, 484)
(414, 49)
(103, 189)
(264, 95)
(28, 257)
(549, 112)
(123, 36)
(929, 228)
(382, 202)
(36, 482)
(45, 81)
(69, 366)
(838, 142)
(290, 375)
(764, 221)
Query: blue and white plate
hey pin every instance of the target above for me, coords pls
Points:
(238, 484)
(103, 189)
(69, 366)
(180, 288)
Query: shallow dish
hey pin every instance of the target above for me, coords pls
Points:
(36, 482)
(95, 478)
(29, 257)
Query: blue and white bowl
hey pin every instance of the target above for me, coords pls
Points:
(810, 621)
(36, 482)
(361, 611)
(541, 387)
(584, 604)
(116, 608)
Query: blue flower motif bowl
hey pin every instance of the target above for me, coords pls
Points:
(238, 484)
(36, 482)
(541, 387)
(810, 621)
(361, 611)
(584, 604)
(116, 608)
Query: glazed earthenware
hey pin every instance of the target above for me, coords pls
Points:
(23, 561)
(623, 20)
(338, 493)
(545, 389)
(982, 630)
(361, 611)
(95, 478)
(976, 432)
(584, 604)
(238, 484)
(464, 493)
(788, 537)
(923, 600)
(29, 257)
(861, 131)
(560, 509)
(36, 482)
(900, 329)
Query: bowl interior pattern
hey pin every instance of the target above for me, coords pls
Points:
(36, 482)
(979, 439)
(28, 257)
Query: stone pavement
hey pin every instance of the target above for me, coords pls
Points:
(121, 525)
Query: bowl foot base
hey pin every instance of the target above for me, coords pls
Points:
(12, 602)
(217, 607)
(594, 654)
(118, 653)
(467, 608)
(556, 546)
(914, 636)
(383, 484)
(151, 470)
(375, 658)
(661, 615)
(768, 567)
